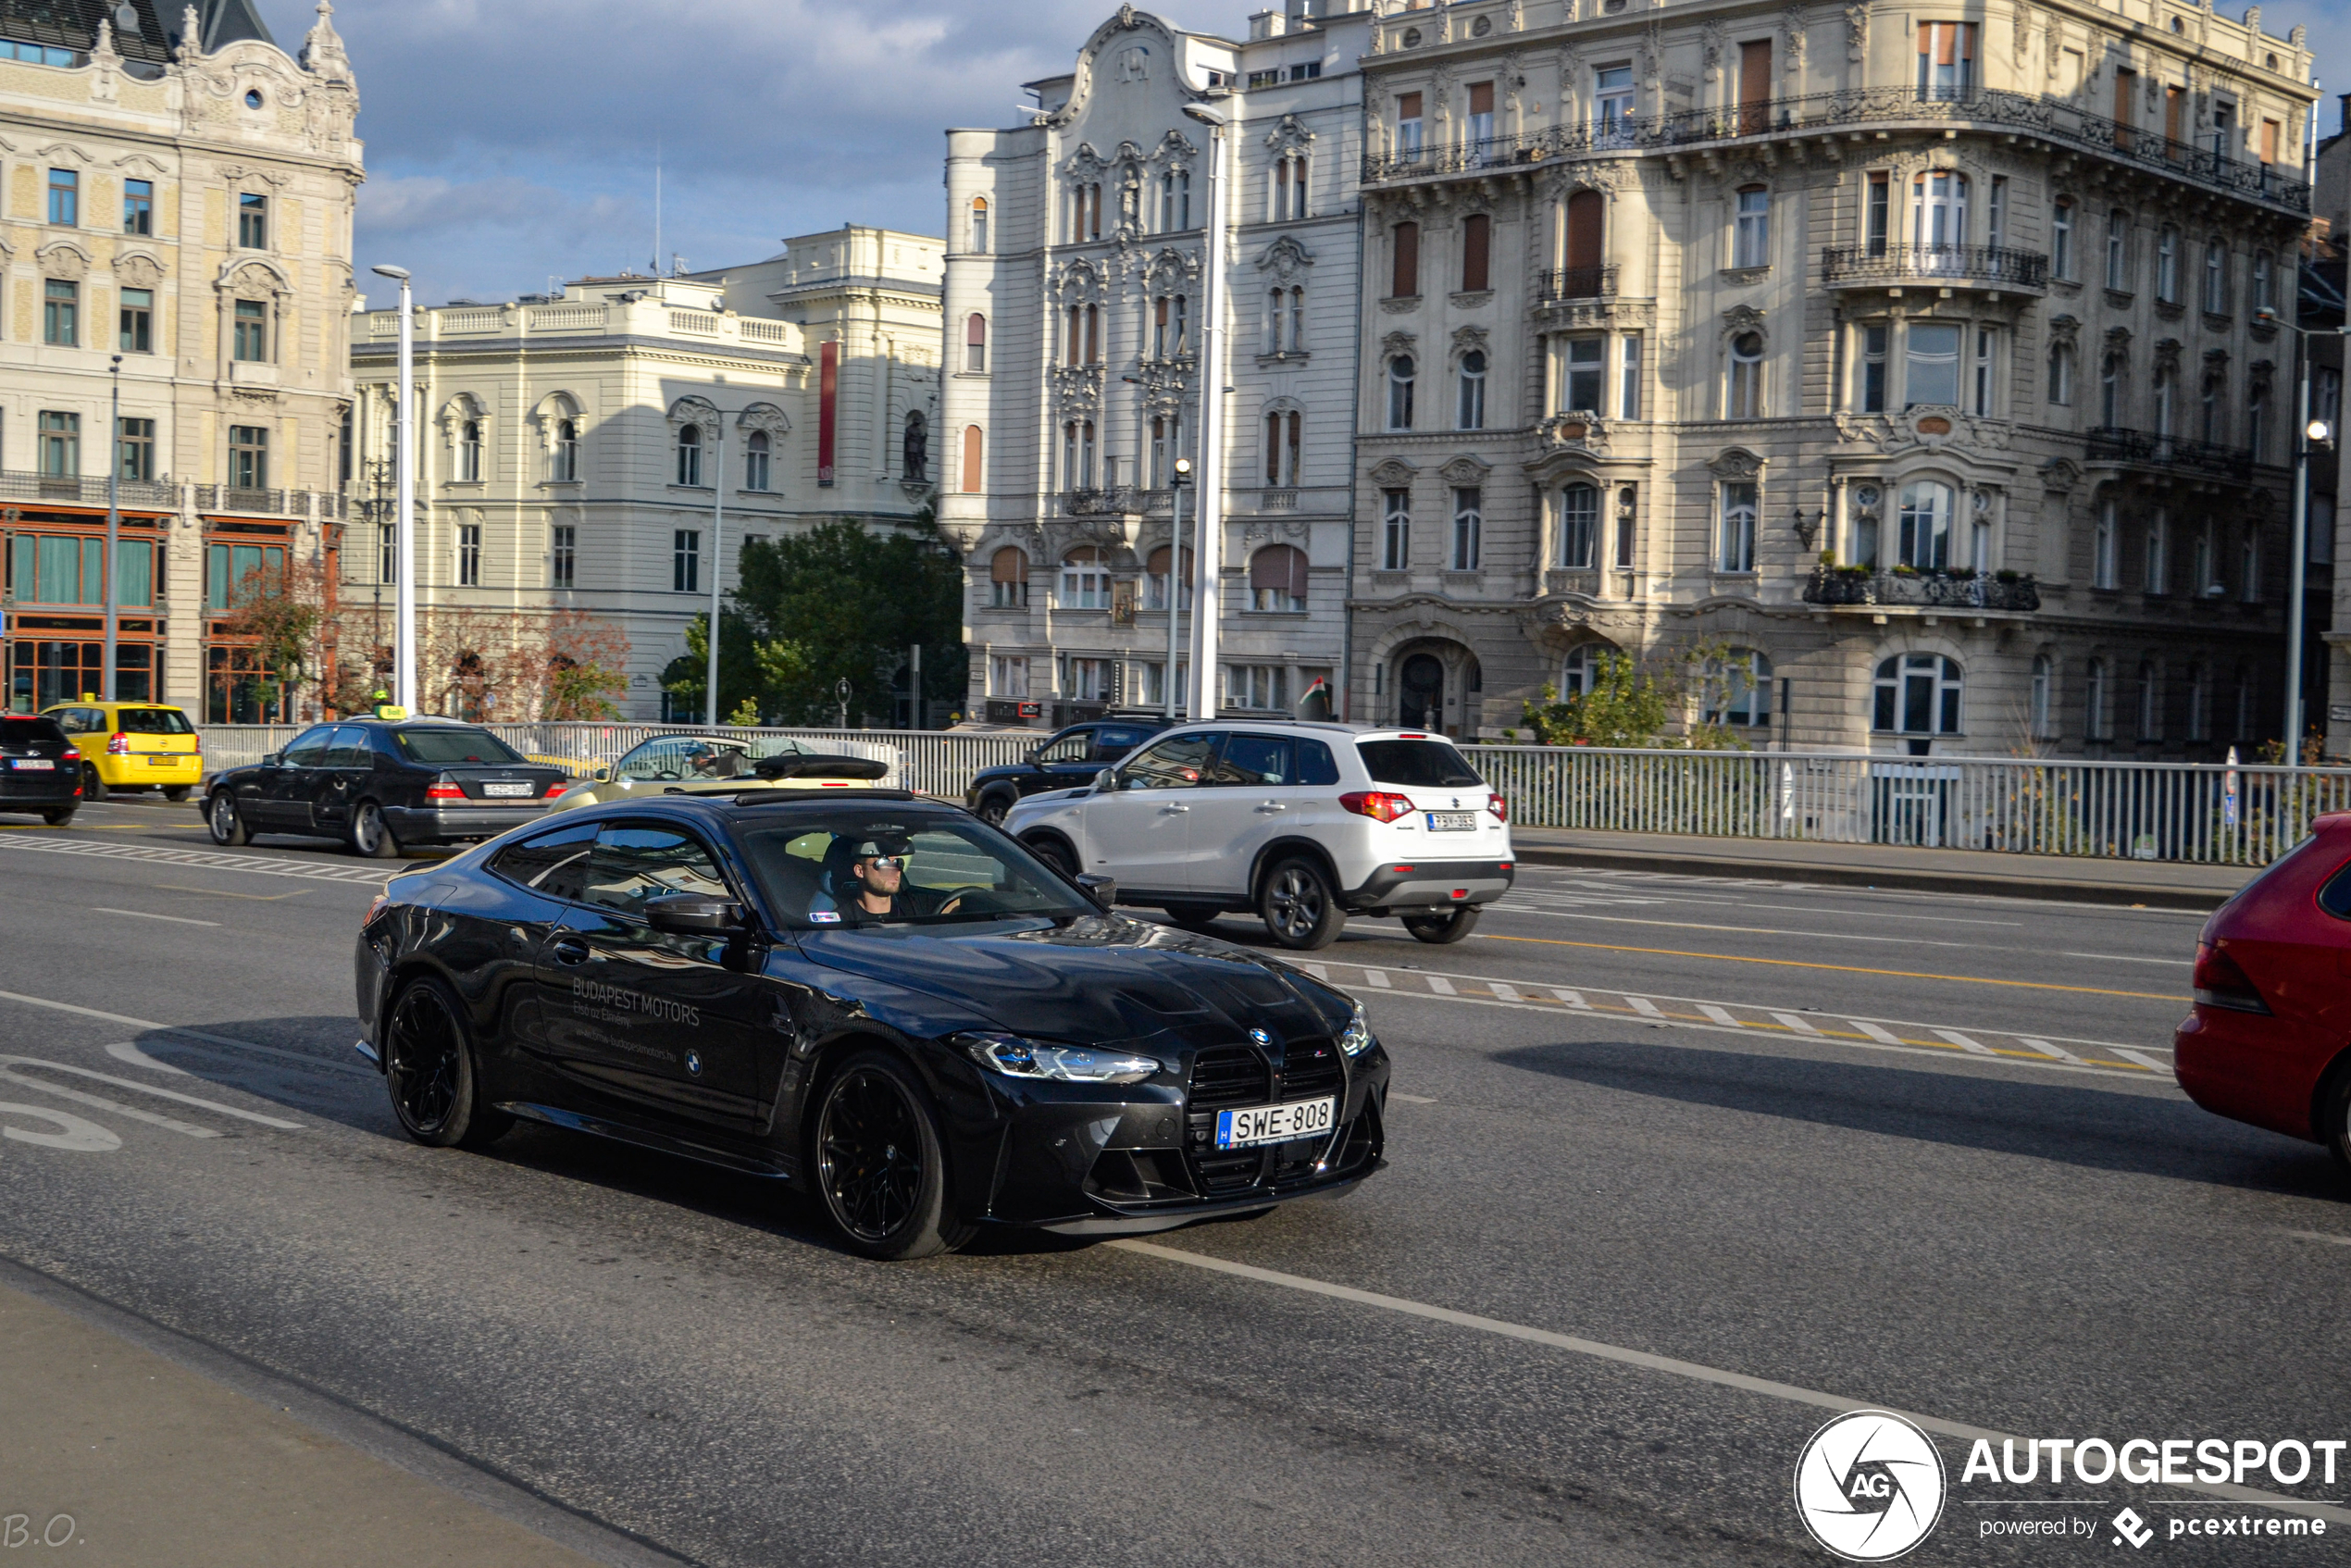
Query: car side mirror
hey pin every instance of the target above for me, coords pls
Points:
(1102, 890)
(602, 775)
(695, 915)
(270, 759)
(1104, 782)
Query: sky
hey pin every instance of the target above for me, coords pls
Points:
(511, 143)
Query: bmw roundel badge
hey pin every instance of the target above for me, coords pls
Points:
(693, 1062)
(1261, 1037)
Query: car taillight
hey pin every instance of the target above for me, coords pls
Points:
(559, 786)
(373, 909)
(445, 790)
(119, 746)
(2221, 981)
(1377, 804)
(1499, 807)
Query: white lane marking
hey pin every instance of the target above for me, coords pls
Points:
(260, 866)
(1977, 1046)
(1644, 1006)
(9, 1065)
(1411, 1098)
(2303, 1234)
(73, 1133)
(1874, 1032)
(2141, 1058)
(1720, 1015)
(1439, 984)
(1503, 989)
(2125, 958)
(1317, 971)
(1750, 931)
(2033, 1042)
(173, 1124)
(186, 1033)
(1796, 1022)
(124, 1052)
(1574, 998)
(1375, 977)
(1694, 1370)
(143, 915)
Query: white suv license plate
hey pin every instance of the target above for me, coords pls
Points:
(499, 791)
(1453, 822)
(1275, 1123)
(32, 764)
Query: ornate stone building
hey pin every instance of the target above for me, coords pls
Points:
(608, 450)
(1909, 360)
(179, 193)
(1073, 304)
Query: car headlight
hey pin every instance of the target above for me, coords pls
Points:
(1018, 1058)
(1356, 1039)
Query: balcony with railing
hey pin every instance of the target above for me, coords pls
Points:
(1695, 130)
(1861, 586)
(1117, 501)
(2147, 449)
(1964, 266)
(1577, 283)
(82, 491)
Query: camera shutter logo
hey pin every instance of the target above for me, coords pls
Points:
(1869, 1486)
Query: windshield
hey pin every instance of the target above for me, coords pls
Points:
(1426, 765)
(877, 866)
(446, 745)
(670, 757)
(152, 721)
(20, 734)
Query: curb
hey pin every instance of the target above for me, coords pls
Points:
(2194, 899)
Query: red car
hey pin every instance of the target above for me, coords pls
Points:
(2270, 1040)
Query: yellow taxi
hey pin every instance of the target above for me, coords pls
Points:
(132, 746)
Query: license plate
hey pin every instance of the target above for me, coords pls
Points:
(1453, 822)
(32, 764)
(503, 790)
(1275, 1123)
(162, 759)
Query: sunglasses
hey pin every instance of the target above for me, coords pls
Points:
(889, 862)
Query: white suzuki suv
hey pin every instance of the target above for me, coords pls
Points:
(1302, 824)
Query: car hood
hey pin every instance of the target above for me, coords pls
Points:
(1100, 980)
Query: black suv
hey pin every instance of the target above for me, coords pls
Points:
(383, 787)
(1069, 759)
(39, 768)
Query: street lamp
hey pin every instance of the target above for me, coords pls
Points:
(718, 555)
(403, 618)
(2307, 432)
(1180, 481)
(114, 528)
(1210, 529)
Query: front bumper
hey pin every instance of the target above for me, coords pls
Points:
(1432, 884)
(441, 825)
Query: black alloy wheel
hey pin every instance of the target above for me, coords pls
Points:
(221, 815)
(1300, 909)
(879, 1162)
(430, 1071)
(1439, 929)
(369, 835)
(1051, 850)
(993, 807)
(92, 786)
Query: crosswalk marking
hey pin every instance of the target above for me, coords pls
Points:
(1503, 990)
(2034, 1043)
(1880, 1035)
(2141, 1057)
(1720, 1014)
(1375, 977)
(1966, 1044)
(1793, 1021)
(1439, 984)
(206, 859)
(1644, 1006)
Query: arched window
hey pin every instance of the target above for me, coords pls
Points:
(1926, 525)
(1008, 579)
(563, 465)
(2039, 716)
(1471, 414)
(914, 454)
(2167, 263)
(1155, 580)
(2094, 714)
(1747, 377)
(1468, 529)
(1579, 527)
(973, 476)
(2216, 278)
(1282, 437)
(1751, 234)
(976, 344)
(1738, 689)
(1287, 189)
(1396, 530)
(1582, 671)
(1400, 392)
(757, 451)
(1917, 694)
(1084, 580)
(1734, 549)
(2150, 701)
(470, 451)
(2061, 374)
(979, 225)
(689, 455)
(1277, 578)
(1939, 213)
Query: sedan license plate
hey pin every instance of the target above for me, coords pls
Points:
(161, 759)
(1453, 822)
(503, 790)
(32, 764)
(1275, 1123)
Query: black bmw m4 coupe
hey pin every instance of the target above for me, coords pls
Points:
(874, 997)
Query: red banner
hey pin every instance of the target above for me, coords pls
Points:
(828, 395)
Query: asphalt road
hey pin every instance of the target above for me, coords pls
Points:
(1678, 1165)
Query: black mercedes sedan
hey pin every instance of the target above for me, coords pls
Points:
(383, 787)
(873, 997)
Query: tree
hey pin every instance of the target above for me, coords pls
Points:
(840, 603)
(1626, 707)
(287, 616)
(587, 667)
(742, 670)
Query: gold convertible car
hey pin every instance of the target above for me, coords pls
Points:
(699, 765)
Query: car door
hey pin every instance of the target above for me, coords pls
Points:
(664, 1028)
(1249, 799)
(1139, 831)
(1061, 763)
(281, 798)
(340, 775)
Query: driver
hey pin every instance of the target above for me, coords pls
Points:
(876, 887)
(706, 761)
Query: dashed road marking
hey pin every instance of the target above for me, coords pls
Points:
(1440, 985)
(1964, 1044)
(1375, 977)
(1796, 1022)
(148, 914)
(2141, 1057)
(1572, 998)
(1719, 1015)
(2035, 1043)
(1837, 969)
(1644, 1006)
(1503, 990)
(260, 866)
(1875, 1031)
